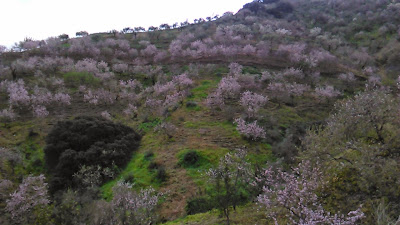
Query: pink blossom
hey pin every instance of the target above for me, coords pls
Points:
(99, 96)
(103, 66)
(8, 114)
(18, 94)
(41, 96)
(294, 193)
(149, 51)
(327, 92)
(130, 110)
(297, 89)
(374, 80)
(164, 89)
(106, 115)
(252, 102)
(182, 81)
(283, 32)
(28, 45)
(295, 52)
(130, 84)
(32, 193)
(250, 130)
(229, 87)
(215, 100)
(133, 53)
(235, 69)
(160, 56)
(249, 50)
(347, 77)
(39, 111)
(277, 90)
(176, 49)
(317, 57)
(172, 100)
(137, 208)
(293, 74)
(87, 65)
(62, 98)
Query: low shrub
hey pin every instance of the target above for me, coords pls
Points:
(76, 79)
(199, 204)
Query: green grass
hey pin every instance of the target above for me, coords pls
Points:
(244, 215)
(251, 70)
(33, 157)
(147, 126)
(199, 218)
(286, 116)
(138, 168)
(208, 158)
(201, 92)
(196, 108)
(226, 126)
(262, 156)
(75, 79)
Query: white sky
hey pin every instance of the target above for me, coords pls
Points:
(40, 19)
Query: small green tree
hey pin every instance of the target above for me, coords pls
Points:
(359, 150)
(230, 182)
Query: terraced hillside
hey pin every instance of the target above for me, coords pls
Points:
(284, 112)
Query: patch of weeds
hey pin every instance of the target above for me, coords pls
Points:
(199, 204)
(262, 156)
(228, 128)
(197, 165)
(33, 157)
(130, 178)
(161, 174)
(149, 155)
(75, 79)
(286, 116)
(193, 106)
(146, 126)
(251, 70)
(221, 70)
(201, 92)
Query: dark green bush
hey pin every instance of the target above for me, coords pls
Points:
(153, 166)
(86, 141)
(191, 104)
(148, 155)
(161, 174)
(129, 178)
(199, 205)
(190, 158)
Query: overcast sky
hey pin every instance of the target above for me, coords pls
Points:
(39, 19)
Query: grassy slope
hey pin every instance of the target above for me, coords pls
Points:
(199, 129)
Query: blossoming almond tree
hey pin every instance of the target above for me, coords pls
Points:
(252, 102)
(250, 130)
(292, 196)
(31, 195)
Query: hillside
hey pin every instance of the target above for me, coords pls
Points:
(285, 112)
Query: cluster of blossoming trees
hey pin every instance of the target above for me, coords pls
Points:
(355, 151)
(281, 87)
